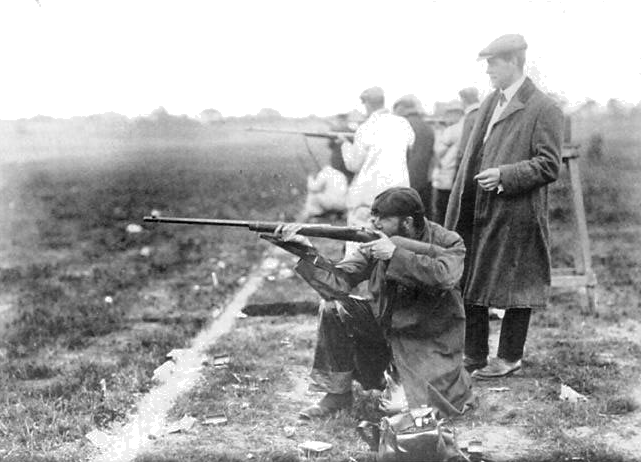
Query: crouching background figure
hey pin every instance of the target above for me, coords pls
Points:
(326, 193)
(415, 322)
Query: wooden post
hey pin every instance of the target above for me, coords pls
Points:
(581, 276)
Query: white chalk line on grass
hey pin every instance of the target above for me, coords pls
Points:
(127, 441)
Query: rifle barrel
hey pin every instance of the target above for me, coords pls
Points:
(327, 134)
(199, 221)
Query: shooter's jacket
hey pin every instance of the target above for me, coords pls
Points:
(417, 303)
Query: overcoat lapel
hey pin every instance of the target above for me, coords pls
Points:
(518, 102)
(465, 173)
(485, 114)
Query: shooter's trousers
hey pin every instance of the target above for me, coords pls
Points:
(350, 346)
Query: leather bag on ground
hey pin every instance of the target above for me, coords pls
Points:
(413, 436)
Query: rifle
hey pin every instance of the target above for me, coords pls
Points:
(340, 233)
(330, 135)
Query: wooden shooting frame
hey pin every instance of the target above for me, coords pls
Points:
(581, 276)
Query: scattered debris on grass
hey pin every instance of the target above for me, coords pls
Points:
(570, 395)
(270, 263)
(222, 361)
(314, 448)
(133, 228)
(285, 273)
(219, 419)
(183, 425)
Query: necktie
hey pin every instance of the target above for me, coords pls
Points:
(502, 99)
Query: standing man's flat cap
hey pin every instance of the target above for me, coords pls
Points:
(398, 201)
(504, 44)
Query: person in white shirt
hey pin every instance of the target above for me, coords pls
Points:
(377, 156)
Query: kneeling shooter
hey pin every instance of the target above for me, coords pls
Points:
(415, 322)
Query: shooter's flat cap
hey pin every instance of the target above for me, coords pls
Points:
(397, 202)
(504, 44)
(373, 94)
(408, 104)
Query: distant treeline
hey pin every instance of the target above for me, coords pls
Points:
(44, 136)
(158, 123)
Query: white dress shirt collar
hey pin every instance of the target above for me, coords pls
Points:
(510, 91)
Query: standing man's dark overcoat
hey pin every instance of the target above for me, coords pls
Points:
(508, 259)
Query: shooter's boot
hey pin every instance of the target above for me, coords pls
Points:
(330, 404)
(472, 364)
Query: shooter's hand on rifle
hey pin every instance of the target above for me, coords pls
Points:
(382, 248)
(288, 233)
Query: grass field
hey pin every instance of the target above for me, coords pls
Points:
(88, 301)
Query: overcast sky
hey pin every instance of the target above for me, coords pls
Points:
(79, 57)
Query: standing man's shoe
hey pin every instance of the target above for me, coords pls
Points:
(496, 368)
(330, 404)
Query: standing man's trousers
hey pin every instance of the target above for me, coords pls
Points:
(512, 338)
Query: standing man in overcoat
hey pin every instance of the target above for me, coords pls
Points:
(499, 205)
